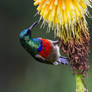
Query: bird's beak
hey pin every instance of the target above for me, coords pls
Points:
(30, 28)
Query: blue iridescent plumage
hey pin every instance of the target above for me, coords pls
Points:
(40, 48)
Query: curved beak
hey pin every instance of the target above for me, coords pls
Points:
(36, 22)
(30, 28)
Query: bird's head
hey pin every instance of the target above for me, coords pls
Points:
(23, 33)
(27, 32)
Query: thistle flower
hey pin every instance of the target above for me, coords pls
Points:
(67, 19)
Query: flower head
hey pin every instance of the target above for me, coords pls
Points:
(62, 11)
(63, 16)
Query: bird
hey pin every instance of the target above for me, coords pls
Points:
(43, 50)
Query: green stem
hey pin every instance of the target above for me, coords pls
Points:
(80, 85)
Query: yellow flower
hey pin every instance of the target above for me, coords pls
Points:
(63, 15)
(61, 11)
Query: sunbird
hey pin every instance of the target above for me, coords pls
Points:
(43, 50)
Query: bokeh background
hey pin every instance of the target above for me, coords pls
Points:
(19, 72)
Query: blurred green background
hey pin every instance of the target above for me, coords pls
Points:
(19, 72)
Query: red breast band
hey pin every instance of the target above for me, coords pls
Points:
(46, 48)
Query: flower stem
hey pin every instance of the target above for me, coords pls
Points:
(80, 85)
